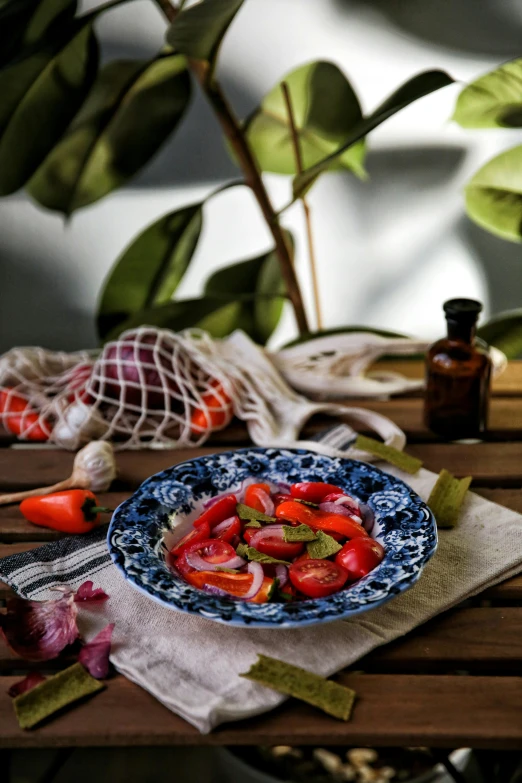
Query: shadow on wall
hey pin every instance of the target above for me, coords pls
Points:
(484, 27)
(35, 309)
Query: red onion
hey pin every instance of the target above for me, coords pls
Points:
(222, 526)
(95, 655)
(281, 573)
(213, 590)
(39, 630)
(256, 569)
(266, 532)
(266, 500)
(368, 517)
(200, 564)
(342, 500)
(333, 508)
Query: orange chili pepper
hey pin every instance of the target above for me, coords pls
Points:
(18, 417)
(72, 511)
(219, 406)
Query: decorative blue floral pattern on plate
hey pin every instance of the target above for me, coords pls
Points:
(403, 524)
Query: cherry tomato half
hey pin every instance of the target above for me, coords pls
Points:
(255, 497)
(317, 578)
(359, 557)
(197, 534)
(212, 550)
(218, 512)
(272, 543)
(230, 530)
(314, 491)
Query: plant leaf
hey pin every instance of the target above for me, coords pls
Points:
(415, 88)
(260, 278)
(198, 31)
(132, 109)
(25, 22)
(150, 268)
(492, 101)
(504, 331)
(325, 108)
(39, 96)
(494, 195)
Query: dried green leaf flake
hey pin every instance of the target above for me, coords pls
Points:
(324, 546)
(298, 533)
(249, 553)
(245, 512)
(57, 692)
(332, 698)
(388, 453)
(254, 523)
(446, 498)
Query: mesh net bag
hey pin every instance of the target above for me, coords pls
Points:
(154, 388)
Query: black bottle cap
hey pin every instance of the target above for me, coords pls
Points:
(464, 311)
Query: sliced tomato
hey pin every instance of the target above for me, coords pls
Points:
(317, 578)
(302, 557)
(265, 593)
(231, 530)
(272, 543)
(255, 497)
(337, 524)
(218, 512)
(295, 513)
(313, 491)
(360, 556)
(237, 584)
(248, 533)
(197, 534)
(281, 497)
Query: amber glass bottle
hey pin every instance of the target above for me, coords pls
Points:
(458, 371)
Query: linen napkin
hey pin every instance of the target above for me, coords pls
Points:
(191, 664)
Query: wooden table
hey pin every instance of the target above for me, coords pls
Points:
(455, 681)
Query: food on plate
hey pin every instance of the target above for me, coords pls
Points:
(273, 543)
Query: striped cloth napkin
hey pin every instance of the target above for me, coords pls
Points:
(192, 664)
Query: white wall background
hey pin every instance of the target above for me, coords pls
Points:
(390, 250)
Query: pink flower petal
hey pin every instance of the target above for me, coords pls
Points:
(32, 679)
(86, 593)
(95, 655)
(39, 630)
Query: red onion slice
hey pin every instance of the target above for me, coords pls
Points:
(200, 564)
(222, 526)
(267, 502)
(281, 573)
(270, 531)
(256, 569)
(333, 508)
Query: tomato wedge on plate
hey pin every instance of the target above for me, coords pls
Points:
(223, 509)
(360, 556)
(212, 550)
(233, 528)
(258, 496)
(196, 535)
(271, 542)
(317, 578)
(313, 491)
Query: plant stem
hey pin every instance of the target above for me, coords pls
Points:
(232, 129)
(306, 206)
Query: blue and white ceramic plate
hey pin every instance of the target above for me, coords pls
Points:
(403, 524)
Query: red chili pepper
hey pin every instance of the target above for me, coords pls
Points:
(18, 417)
(223, 509)
(313, 491)
(72, 511)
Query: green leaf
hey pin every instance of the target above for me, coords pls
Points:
(39, 96)
(260, 279)
(150, 268)
(198, 31)
(504, 331)
(25, 22)
(494, 195)
(309, 336)
(132, 109)
(493, 100)
(415, 88)
(326, 109)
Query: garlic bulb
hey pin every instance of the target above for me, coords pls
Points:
(77, 424)
(94, 468)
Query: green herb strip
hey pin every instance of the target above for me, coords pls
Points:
(253, 523)
(249, 553)
(446, 498)
(391, 455)
(246, 513)
(306, 502)
(299, 533)
(62, 690)
(332, 698)
(325, 546)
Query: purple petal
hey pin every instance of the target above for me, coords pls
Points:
(39, 630)
(95, 655)
(85, 593)
(32, 679)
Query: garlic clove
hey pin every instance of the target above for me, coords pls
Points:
(94, 466)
